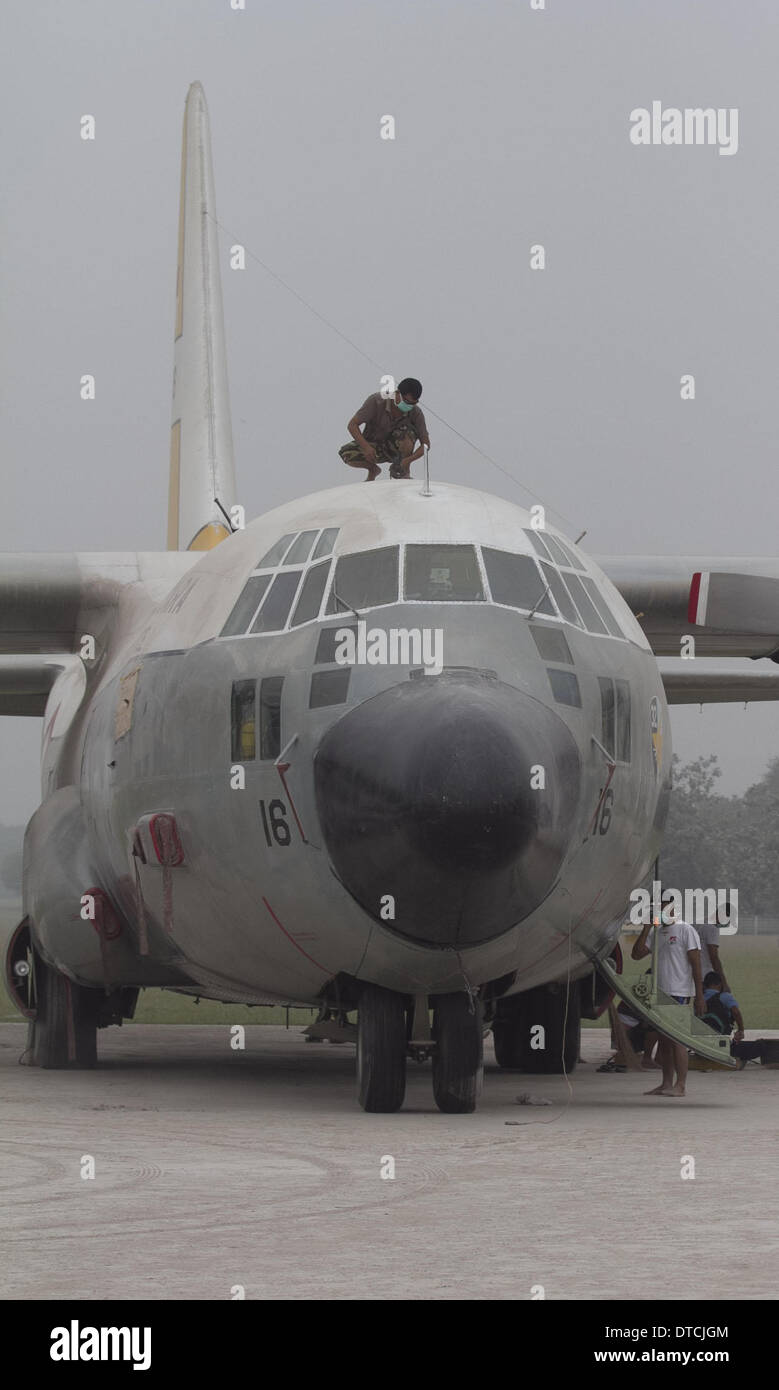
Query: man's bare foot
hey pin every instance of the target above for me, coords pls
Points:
(658, 1091)
(676, 1090)
(373, 473)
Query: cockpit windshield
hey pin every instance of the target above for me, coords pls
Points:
(442, 574)
(366, 580)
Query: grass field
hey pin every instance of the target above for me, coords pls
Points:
(751, 964)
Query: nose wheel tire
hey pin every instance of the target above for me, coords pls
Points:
(381, 1050)
(458, 1057)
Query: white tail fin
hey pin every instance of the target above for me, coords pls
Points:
(201, 444)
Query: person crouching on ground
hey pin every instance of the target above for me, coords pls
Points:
(678, 974)
(723, 1014)
(392, 425)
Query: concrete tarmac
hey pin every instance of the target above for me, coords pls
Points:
(216, 1168)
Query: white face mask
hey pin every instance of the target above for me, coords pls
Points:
(667, 917)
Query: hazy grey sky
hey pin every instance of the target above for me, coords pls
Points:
(512, 128)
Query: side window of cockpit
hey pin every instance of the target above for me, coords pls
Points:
(242, 721)
(329, 688)
(275, 610)
(592, 619)
(366, 580)
(551, 644)
(247, 605)
(324, 545)
(561, 596)
(602, 607)
(607, 714)
(311, 594)
(272, 557)
(516, 581)
(300, 551)
(615, 718)
(565, 687)
(623, 721)
(442, 574)
(270, 716)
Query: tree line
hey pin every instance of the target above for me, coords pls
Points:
(714, 841)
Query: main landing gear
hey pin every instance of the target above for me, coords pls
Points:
(535, 1032)
(390, 1028)
(63, 1032)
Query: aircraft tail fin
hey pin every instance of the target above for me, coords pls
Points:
(201, 445)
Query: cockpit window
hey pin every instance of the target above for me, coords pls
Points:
(311, 594)
(590, 616)
(561, 596)
(300, 551)
(573, 558)
(565, 687)
(247, 606)
(324, 545)
(366, 580)
(443, 574)
(242, 720)
(557, 551)
(551, 644)
(602, 607)
(270, 716)
(516, 580)
(537, 543)
(272, 557)
(275, 610)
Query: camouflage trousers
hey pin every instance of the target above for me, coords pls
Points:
(388, 451)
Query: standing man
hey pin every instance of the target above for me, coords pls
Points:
(678, 974)
(709, 934)
(392, 425)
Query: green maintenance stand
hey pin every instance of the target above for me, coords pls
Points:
(659, 1011)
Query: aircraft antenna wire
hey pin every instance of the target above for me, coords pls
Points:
(553, 1118)
(356, 347)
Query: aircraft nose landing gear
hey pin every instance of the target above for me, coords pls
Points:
(381, 1049)
(458, 1059)
(384, 1040)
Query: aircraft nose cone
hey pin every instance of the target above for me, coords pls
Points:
(425, 793)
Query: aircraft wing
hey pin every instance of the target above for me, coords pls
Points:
(702, 683)
(729, 605)
(25, 682)
(47, 602)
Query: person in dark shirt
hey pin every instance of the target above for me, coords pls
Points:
(721, 1010)
(391, 426)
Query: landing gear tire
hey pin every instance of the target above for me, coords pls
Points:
(545, 1007)
(506, 1043)
(64, 1031)
(381, 1050)
(458, 1058)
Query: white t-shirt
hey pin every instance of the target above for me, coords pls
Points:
(674, 972)
(709, 935)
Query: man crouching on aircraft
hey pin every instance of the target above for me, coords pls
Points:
(678, 974)
(392, 425)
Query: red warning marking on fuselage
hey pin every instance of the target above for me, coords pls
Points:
(296, 944)
(281, 768)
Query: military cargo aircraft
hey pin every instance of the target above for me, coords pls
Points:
(394, 749)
